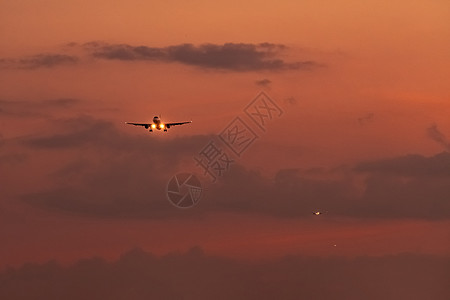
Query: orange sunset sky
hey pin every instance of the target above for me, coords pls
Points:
(364, 136)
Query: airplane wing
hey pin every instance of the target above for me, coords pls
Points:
(146, 125)
(168, 125)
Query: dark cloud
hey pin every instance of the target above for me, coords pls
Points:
(131, 187)
(410, 186)
(405, 187)
(8, 157)
(39, 61)
(393, 197)
(290, 194)
(410, 166)
(129, 178)
(366, 118)
(87, 131)
(79, 132)
(263, 82)
(291, 101)
(229, 56)
(436, 135)
(12, 158)
(24, 108)
(195, 275)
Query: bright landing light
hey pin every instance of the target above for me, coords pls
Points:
(153, 126)
(161, 126)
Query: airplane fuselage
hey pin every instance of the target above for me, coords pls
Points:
(157, 124)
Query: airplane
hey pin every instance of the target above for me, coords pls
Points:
(158, 124)
(318, 212)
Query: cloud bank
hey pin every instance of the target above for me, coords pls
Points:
(107, 172)
(130, 176)
(195, 275)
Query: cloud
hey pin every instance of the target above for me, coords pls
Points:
(12, 158)
(39, 61)
(263, 82)
(289, 194)
(196, 275)
(130, 176)
(115, 174)
(409, 186)
(404, 187)
(127, 179)
(86, 130)
(366, 118)
(9, 158)
(239, 57)
(436, 135)
(229, 56)
(410, 166)
(291, 101)
(39, 108)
